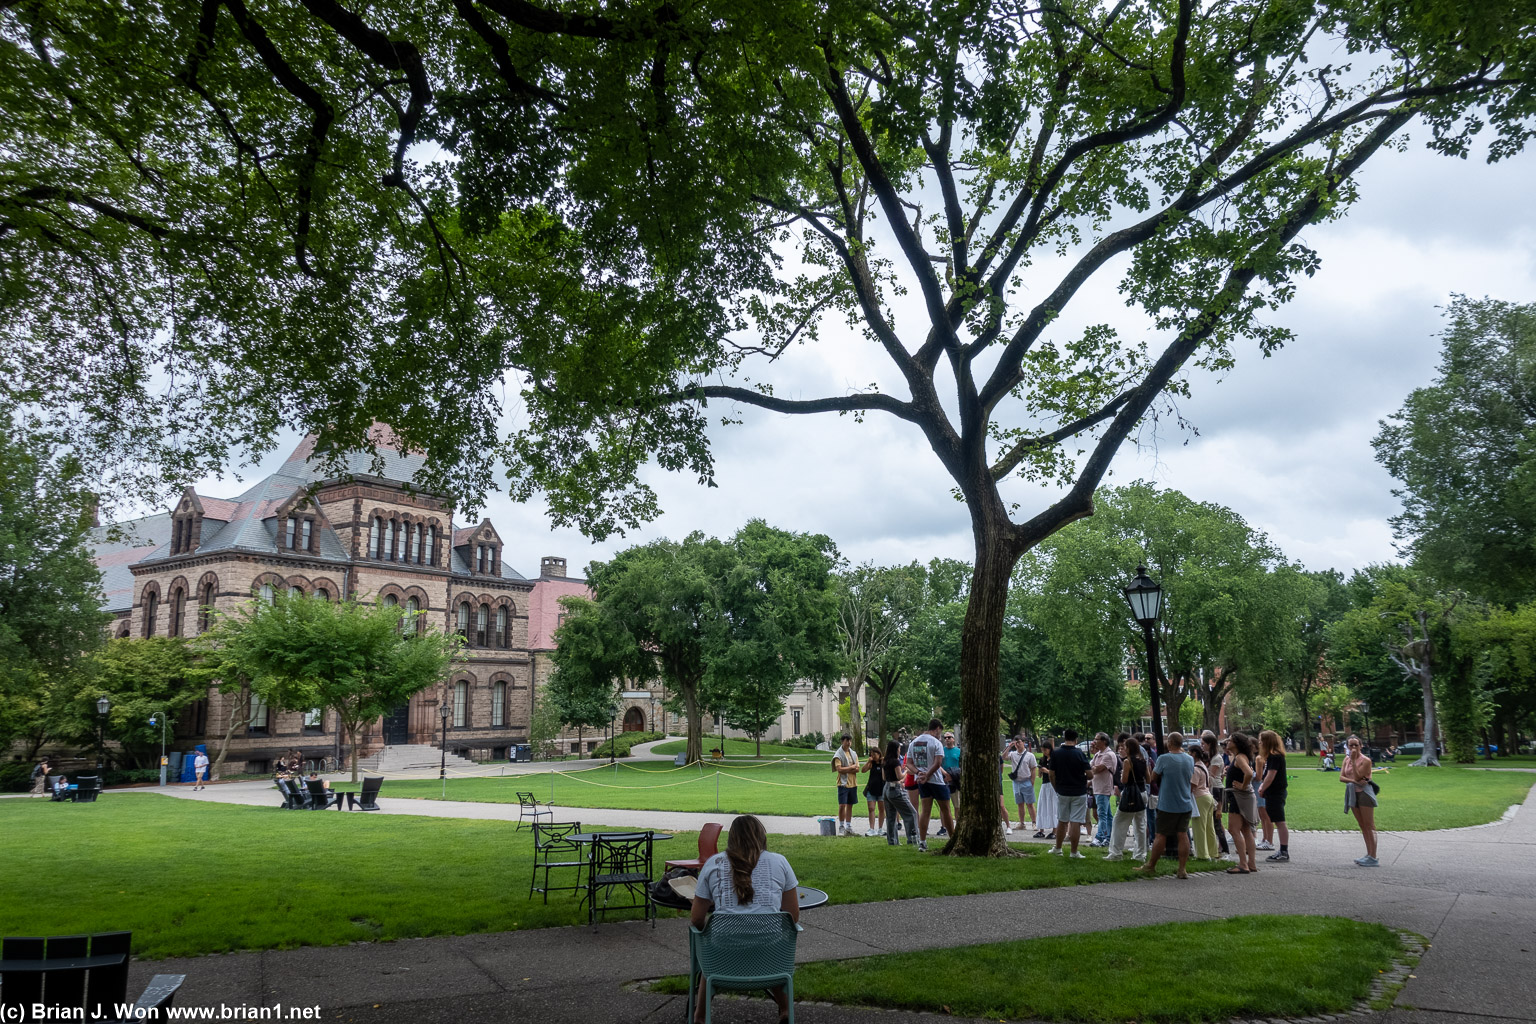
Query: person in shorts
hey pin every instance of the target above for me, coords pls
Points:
(1175, 773)
(200, 770)
(951, 774)
(1022, 771)
(926, 756)
(1069, 776)
(845, 762)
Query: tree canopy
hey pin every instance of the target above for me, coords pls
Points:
(1464, 448)
(352, 658)
(728, 626)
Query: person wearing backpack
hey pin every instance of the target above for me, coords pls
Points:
(1131, 814)
(40, 778)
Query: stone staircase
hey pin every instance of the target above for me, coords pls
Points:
(409, 757)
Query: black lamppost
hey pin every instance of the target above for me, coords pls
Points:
(443, 711)
(1146, 600)
(159, 718)
(103, 705)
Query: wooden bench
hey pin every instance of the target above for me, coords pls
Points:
(70, 975)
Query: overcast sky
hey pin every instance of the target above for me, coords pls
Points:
(1284, 441)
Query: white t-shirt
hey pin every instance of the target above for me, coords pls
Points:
(201, 761)
(1022, 766)
(771, 879)
(924, 752)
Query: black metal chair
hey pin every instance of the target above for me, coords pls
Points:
(368, 799)
(620, 867)
(553, 850)
(529, 807)
(76, 977)
(321, 798)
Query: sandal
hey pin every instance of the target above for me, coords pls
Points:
(1237, 871)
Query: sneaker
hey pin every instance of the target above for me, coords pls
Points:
(922, 847)
(1279, 858)
(1078, 855)
(1039, 833)
(1054, 851)
(941, 833)
(1007, 830)
(1264, 844)
(1114, 856)
(1368, 862)
(874, 832)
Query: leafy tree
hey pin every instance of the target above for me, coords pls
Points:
(618, 188)
(141, 677)
(729, 626)
(50, 589)
(1505, 645)
(544, 723)
(1224, 587)
(1320, 599)
(592, 653)
(1464, 448)
(351, 658)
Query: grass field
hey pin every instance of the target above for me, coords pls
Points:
(189, 878)
(1254, 967)
(1412, 799)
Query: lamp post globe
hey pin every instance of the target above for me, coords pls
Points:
(103, 705)
(1145, 597)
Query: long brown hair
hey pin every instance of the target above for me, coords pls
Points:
(748, 841)
(1269, 743)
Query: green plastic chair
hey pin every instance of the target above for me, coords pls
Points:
(741, 953)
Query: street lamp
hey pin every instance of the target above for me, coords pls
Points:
(443, 711)
(1146, 600)
(158, 718)
(103, 705)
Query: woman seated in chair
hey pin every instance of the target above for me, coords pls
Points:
(747, 878)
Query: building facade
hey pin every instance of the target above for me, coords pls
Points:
(360, 532)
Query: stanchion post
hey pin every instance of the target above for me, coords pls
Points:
(717, 790)
(551, 785)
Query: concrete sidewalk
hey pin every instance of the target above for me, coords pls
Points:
(1471, 892)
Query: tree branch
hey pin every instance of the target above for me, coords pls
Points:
(1015, 455)
(746, 396)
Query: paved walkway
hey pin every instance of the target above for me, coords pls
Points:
(1472, 892)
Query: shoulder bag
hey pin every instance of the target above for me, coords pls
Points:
(1133, 797)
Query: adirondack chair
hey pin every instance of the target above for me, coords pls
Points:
(368, 799)
(709, 845)
(76, 977)
(321, 798)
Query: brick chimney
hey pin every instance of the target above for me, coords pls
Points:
(550, 565)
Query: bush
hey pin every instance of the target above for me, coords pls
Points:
(808, 741)
(124, 776)
(15, 777)
(622, 743)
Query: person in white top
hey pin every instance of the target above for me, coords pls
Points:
(747, 878)
(926, 756)
(845, 761)
(1022, 771)
(200, 770)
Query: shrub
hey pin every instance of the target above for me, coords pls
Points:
(622, 743)
(808, 741)
(123, 776)
(15, 777)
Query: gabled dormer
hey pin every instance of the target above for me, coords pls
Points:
(480, 548)
(299, 521)
(186, 523)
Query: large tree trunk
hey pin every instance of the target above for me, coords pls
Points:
(855, 720)
(695, 744)
(351, 728)
(978, 833)
(1431, 727)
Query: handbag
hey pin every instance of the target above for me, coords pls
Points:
(1132, 796)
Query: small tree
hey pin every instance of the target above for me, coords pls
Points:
(348, 657)
(142, 677)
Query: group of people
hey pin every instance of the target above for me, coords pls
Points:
(1133, 798)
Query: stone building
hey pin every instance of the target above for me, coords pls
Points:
(326, 536)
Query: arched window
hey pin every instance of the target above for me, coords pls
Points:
(266, 593)
(323, 594)
(499, 704)
(460, 704)
(259, 714)
(431, 545)
(178, 609)
(293, 532)
(391, 601)
(482, 621)
(463, 622)
(502, 638)
(296, 591)
(389, 539)
(479, 558)
(412, 609)
(151, 610)
(414, 532)
(205, 608)
(308, 540)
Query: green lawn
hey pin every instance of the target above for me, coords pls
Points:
(742, 748)
(1260, 967)
(189, 878)
(1412, 799)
